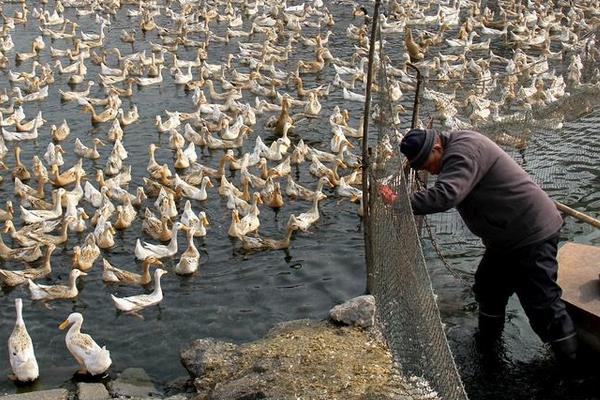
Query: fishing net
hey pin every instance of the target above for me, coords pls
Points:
(399, 278)
(486, 97)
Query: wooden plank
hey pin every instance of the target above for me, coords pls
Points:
(579, 266)
(578, 269)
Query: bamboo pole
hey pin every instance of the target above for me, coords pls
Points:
(365, 153)
(577, 214)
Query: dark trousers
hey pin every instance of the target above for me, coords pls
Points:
(531, 273)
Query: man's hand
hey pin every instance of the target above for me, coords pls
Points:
(387, 194)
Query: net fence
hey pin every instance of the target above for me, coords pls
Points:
(399, 278)
(521, 101)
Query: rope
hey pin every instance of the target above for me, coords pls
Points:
(435, 244)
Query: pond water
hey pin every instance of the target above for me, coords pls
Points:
(235, 296)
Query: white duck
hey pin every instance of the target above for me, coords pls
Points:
(112, 274)
(306, 219)
(198, 222)
(20, 349)
(32, 216)
(86, 152)
(352, 96)
(132, 304)
(191, 191)
(172, 123)
(53, 155)
(115, 132)
(166, 204)
(53, 292)
(94, 196)
(60, 132)
(297, 191)
(345, 190)
(182, 78)
(91, 358)
(188, 264)
(250, 222)
(156, 250)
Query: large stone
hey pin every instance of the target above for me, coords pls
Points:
(359, 311)
(307, 358)
(178, 397)
(180, 385)
(249, 387)
(54, 394)
(133, 382)
(205, 355)
(92, 391)
(285, 327)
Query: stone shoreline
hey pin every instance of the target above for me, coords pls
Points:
(344, 357)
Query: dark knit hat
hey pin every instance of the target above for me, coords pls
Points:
(416, 145)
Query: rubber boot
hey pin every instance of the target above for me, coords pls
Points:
(565, 350)
(490, 328)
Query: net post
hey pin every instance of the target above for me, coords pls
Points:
(415, 113)
(365, 154)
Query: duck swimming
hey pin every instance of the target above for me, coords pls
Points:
(55, 292)
(111, 274)
(188, 263)
(133, 304)
(145, 250)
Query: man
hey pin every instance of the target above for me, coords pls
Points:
(516, 220)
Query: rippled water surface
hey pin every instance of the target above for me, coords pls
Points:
(235, 296)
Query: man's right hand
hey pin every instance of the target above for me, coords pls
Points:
(387, 194)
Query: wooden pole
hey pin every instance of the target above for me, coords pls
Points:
(415, 113)
(413, 123)
(577, 214)
(365, 154)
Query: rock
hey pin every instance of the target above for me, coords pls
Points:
(206, 354)
(54, 394)
(248, 387)
(92, 391)
(305, 358)
(180, 385)
(177, 397)
(286, 327)
(359, 311)
(133, 382)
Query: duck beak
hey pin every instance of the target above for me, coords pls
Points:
(64, 325)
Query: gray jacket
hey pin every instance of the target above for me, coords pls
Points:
(496, 198)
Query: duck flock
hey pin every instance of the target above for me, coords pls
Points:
(263, 113)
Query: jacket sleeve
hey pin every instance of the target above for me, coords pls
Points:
(459, 175)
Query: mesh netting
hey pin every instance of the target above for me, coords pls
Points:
(399, 277)
(515, 110)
